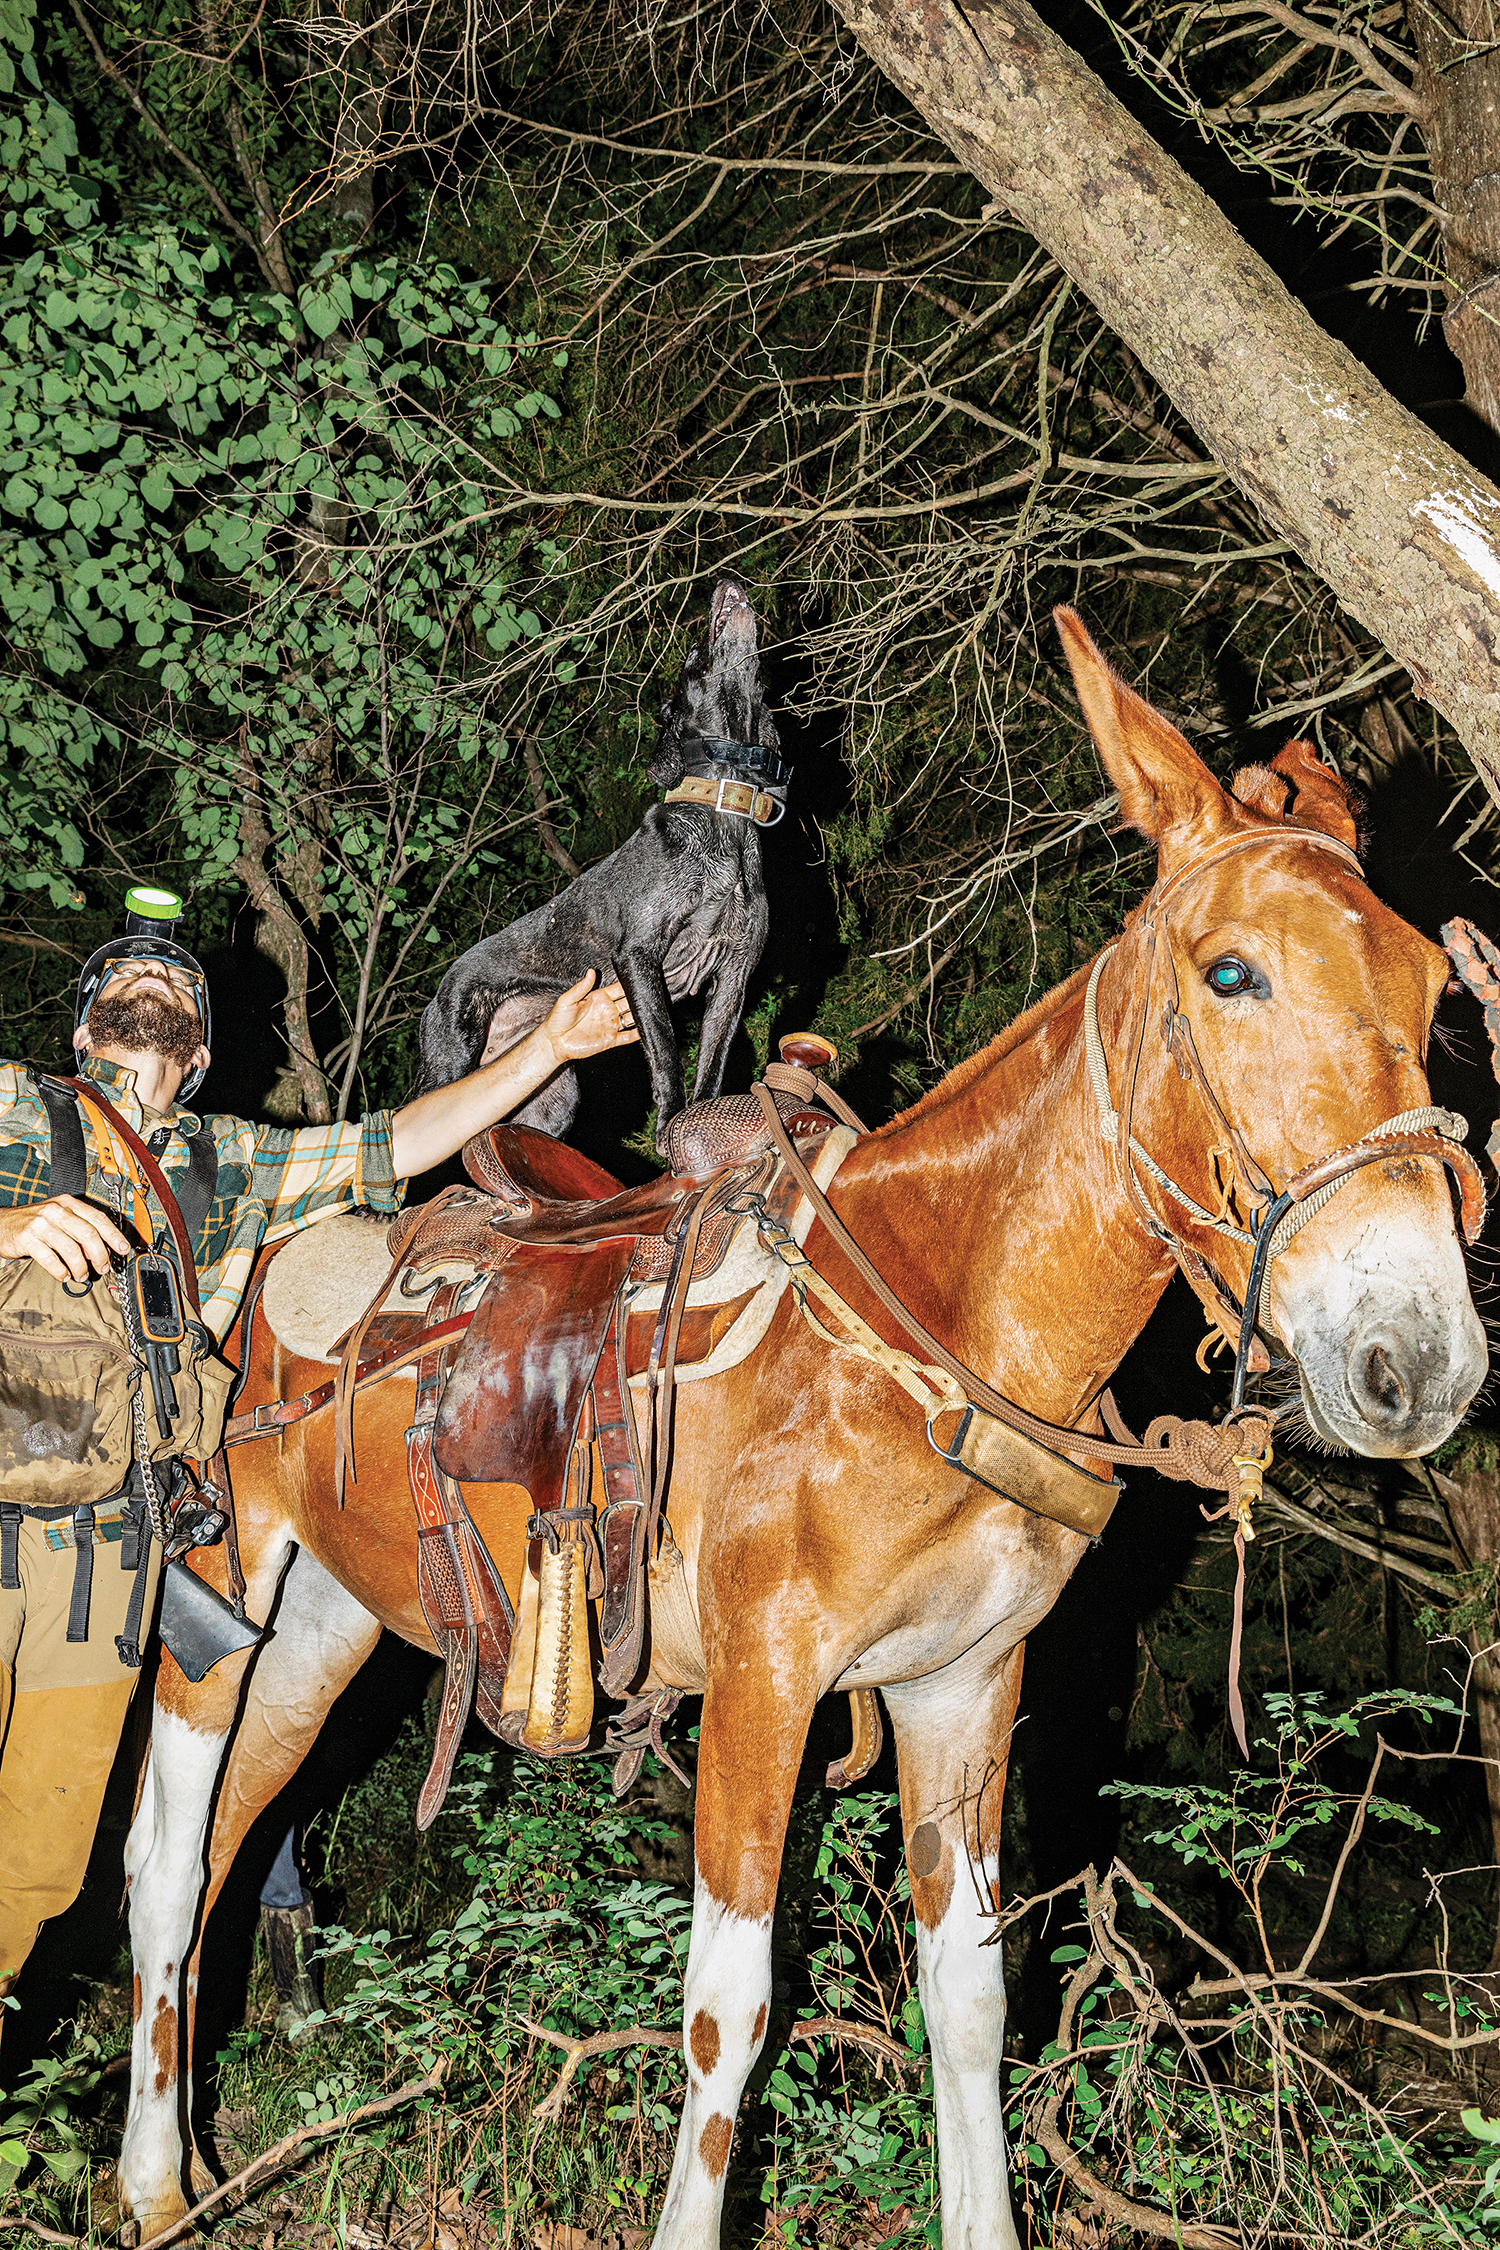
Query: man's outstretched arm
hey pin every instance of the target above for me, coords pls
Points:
(583, 1022)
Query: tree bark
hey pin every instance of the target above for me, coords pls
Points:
(1398, 525)
(301, 1090)
(1456, 46)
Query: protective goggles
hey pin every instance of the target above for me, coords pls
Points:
(190, 982)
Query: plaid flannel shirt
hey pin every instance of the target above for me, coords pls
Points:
(272, 1180)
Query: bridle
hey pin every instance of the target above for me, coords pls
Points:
(1275, 1215)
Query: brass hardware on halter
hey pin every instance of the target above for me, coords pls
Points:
(1252, 1468)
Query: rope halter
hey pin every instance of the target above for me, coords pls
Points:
(1424, 1131)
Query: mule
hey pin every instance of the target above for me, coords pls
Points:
(826, 1544)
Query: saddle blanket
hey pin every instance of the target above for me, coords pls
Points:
(320, 1283)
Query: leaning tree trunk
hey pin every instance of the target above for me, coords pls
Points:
(1398, 524)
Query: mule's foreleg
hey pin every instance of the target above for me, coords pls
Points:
(319, 1637)
(953, 1740)
(750, 1746)
(164, 1870)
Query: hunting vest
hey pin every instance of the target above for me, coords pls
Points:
(78, 1434)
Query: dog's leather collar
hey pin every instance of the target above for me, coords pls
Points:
(741, 798)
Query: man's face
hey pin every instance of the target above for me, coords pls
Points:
(148, 1007)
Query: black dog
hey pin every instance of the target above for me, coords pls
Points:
(681, 902)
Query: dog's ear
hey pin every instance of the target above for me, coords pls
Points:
(665, 769)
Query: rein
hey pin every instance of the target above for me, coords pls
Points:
(1216, 1455)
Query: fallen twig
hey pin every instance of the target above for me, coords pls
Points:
(579, 2051)
(1163, 2224)
(34, 2226)
(272, 2159)
(861, 2035)
(1139, 2216)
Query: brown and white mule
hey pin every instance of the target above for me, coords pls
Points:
(827, 1546)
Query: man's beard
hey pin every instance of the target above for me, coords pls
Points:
(145, 1023)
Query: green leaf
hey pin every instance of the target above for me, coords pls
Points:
(320, 313)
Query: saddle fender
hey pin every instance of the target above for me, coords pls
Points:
(513, 1400)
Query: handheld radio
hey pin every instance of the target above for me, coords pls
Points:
(149, 1281)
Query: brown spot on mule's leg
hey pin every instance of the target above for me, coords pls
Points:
(164, 2043)
(760, 2023)
(713, 2145)
(704, 2041)
(135, 1998)
(924, 1849)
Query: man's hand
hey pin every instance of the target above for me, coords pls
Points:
(66, 1236)
(585, 1022)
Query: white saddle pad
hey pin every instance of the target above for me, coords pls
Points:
(325, 1278)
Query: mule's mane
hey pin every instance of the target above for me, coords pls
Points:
(1004, 1043)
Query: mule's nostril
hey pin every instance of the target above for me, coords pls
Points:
(1383, 1381)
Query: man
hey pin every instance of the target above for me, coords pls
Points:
(142, 1034)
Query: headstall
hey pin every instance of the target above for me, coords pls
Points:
(1275, 1215)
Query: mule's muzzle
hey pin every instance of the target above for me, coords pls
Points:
(1399, 1386)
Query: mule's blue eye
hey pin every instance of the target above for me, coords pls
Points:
(1231, 976)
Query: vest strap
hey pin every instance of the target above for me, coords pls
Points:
(69, 1174)
(83, 1573)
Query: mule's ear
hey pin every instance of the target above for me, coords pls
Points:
(1260, 789)
(1318, 797)
(1166, 791)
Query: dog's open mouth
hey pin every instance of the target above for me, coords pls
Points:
(730, 606)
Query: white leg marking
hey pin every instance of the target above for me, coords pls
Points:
(164, 1862)
(726, 2000)
(962, 1987)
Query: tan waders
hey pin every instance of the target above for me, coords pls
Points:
(62, 1708)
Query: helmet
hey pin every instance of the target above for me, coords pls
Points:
(151, 917)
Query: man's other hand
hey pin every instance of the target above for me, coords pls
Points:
(585, 1022)
(66, 1236)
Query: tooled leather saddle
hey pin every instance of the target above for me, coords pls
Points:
(538, 1378)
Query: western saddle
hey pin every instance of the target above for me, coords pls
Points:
(531, 1388)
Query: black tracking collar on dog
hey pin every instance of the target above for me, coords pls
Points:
(752, 759)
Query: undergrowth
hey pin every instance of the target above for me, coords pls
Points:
(1207, 2072)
